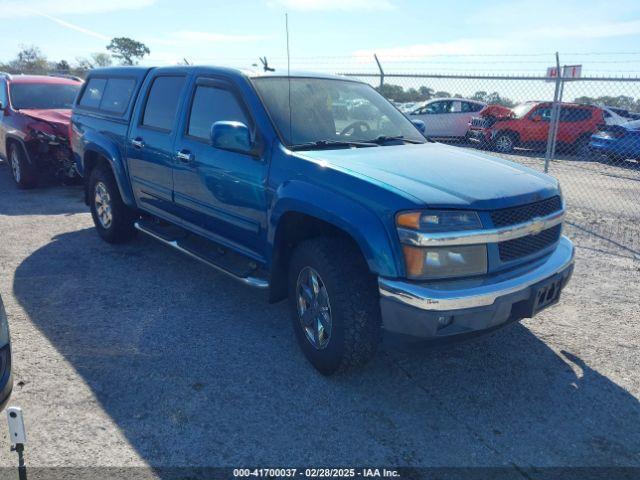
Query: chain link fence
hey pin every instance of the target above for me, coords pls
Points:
(583, 131)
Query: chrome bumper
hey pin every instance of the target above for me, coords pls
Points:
(472, 304)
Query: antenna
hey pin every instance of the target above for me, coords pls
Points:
(265, 65)
(286, 26)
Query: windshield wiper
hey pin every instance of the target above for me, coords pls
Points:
(379, 140)
(331, 143)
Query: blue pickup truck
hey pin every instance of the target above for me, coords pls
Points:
(319, 190)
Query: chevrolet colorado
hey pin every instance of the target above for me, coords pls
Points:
(317, 189)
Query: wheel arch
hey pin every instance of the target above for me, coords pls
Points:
(14, 140)
(95, 155)
(294, 220)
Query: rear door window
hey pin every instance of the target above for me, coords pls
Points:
(162, 102)
(569, 114)
(93, 93)
(117, 94)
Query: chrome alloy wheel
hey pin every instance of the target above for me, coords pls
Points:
(15, 165)
(504, 143)
(314, 309)
(103, 205)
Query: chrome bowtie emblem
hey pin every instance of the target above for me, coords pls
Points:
(536, 227)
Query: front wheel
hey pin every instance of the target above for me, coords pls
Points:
(21, 170)
(504, 143)
(113, 219)
(334, 305)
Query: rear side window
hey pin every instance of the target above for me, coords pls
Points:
(574, 114)
(210, 105)
(162, 102)
(108, 95)
(93, 93)
(117, 94)
(3, 94)
(471, 107)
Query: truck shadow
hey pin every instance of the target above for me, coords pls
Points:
(198, 371)
(49, 198)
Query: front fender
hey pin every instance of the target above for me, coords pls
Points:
(94, 143)
(363, 225)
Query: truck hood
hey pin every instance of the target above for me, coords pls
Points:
(59, 119)
(438, 175)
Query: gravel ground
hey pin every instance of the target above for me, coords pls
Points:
(135, 355)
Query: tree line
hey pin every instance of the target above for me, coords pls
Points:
(121, 50)
(397, 93)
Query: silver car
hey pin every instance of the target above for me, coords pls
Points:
(447, 117)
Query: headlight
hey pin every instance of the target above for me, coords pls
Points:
(4, 327)
(439, 221)
(426, 263)
(445, 262)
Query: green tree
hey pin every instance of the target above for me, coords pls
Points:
(101, 59)
(63, 66)
(30, 60)
(127, 50)
(425, 93)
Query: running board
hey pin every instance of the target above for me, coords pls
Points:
(246, 279)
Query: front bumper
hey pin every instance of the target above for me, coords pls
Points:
(6, 376)
(451, 308)
(479, 135)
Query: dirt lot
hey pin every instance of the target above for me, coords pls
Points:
(135, 355)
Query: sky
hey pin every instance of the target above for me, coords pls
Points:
(339, 35)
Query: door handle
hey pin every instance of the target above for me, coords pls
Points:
(137, 143)
(184, 156)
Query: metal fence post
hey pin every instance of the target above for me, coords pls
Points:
(555, 116)
(381, 70)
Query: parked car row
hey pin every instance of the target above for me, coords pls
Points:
(582, 129)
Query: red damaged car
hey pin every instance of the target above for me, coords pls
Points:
(527, 125)
(35, 114)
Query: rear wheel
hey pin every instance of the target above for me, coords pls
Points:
(504, 143)
(581, 147)
(113, 219)
(334, 305)
(21, 170)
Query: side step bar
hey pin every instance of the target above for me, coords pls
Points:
(248, 280)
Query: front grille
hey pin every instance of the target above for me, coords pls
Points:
(477, 122)
(524, 213)
(521, 247)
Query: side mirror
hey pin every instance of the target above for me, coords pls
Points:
(234, 136)
(420, 125)
(536, 118)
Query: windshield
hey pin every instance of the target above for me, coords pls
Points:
(42, 95)
(521, 110)
(331, 110)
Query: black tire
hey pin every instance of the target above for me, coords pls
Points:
(22, 171)
(580, 147)
(353, 299)
(120, 227)
(504, 142)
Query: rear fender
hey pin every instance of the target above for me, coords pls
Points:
(109, 151)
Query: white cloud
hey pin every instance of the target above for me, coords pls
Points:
(73, 26)
(596, 30)
(405, 53)
(344, 5)
(189, 36)
(28, 8)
